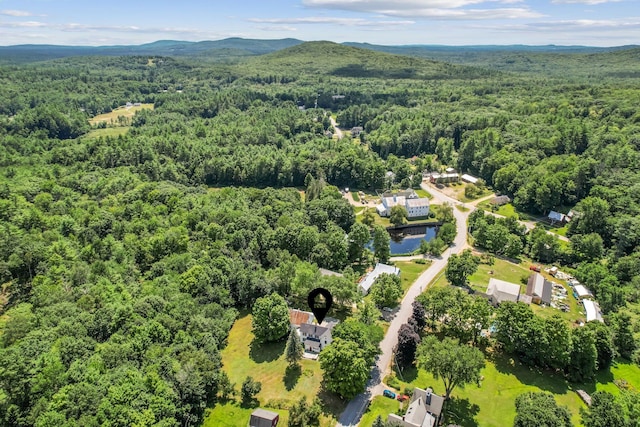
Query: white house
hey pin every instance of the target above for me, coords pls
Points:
(416, 206)
(315, 337)
(500, 291)
(423, 411)
(367, 281)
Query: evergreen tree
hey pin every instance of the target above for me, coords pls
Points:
(294, 350)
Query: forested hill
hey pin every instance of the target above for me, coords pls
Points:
(213, 50)
(328, 58)
(550, 60)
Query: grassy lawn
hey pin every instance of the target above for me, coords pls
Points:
(502, 270)
(410, 271)
(492, 404)
(233, 415)
(112, 117)
(423, 193)
(266, 363)
(380, 405)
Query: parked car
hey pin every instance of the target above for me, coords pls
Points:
(389, 394)
(535, 268)
(402, 397)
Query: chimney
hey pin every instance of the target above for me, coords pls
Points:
(428, 398)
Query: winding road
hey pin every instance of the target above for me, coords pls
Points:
(357, 406)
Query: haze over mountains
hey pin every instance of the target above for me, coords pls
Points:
(230, 48)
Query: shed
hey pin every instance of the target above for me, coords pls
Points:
(580, 291)
(263, 418)
(556, 217)
(592, 310)
(468, 178)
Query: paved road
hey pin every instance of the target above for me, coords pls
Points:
(356, 407)
(335, 126)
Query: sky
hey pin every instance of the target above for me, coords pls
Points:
(443, 22)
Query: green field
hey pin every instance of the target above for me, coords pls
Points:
(233, 415)
(492, 403)
(266, 363)
(410, 271)
(423, 193)
(111, 118)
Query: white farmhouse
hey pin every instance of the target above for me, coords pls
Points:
(416, 206)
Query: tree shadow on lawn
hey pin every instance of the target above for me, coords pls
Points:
(332, 404)
(266, 352)
(291, 376)
(408, 373)
(603, 377)
(546, 380)
(461, 412)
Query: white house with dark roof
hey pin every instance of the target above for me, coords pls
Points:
(315, 337)
(365, 284)
(424, 410)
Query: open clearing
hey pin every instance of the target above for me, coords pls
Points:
(112, 117)
(492, 404)
(266, 363)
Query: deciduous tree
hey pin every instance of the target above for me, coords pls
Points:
(456, 364)
(270, 318)
(344, 366)
(540, 410)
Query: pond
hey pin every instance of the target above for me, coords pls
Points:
(408, 239)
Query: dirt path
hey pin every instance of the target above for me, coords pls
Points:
(335, 126)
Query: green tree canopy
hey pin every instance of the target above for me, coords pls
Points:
(456, 364)
(540, 410)
(270, 318)
(345, 368)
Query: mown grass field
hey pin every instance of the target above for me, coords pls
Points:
(410, 271)
(492, 403)
(112, 117)
(244, 357)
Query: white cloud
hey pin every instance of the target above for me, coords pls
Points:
(359, 22)
(590, 2)
(16, 13)
(431, 9)
(277, 28)
(576, 25)
(24, 24)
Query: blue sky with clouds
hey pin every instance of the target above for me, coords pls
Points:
(449, 22)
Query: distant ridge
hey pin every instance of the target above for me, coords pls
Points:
(500, 57)
(231, 46)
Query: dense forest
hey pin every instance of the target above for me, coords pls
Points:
(123, 261)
